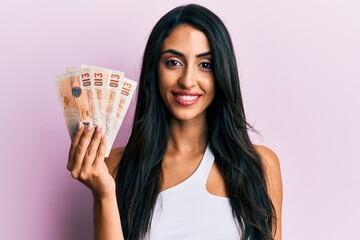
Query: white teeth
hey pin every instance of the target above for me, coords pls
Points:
(187, 97)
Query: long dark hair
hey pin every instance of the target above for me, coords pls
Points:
(138, 179)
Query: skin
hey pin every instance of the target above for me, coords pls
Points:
(184, 66)
(87, 164)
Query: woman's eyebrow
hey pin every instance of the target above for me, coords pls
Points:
(182, 55)
(173, 52)
(203, 54)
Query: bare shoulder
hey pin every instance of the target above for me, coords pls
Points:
(274, 182)
(112, 162)
(271, 166)
(269, 157)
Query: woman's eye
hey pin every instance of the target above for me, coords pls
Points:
(206, 65)
(172, 63)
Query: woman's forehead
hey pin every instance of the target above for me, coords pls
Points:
(187, 39)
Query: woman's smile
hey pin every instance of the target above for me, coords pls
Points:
(186, 98)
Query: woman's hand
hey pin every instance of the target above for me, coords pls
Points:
(86, 160)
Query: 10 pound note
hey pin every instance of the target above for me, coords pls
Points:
(84, 99)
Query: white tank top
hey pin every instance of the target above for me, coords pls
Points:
(188, 211)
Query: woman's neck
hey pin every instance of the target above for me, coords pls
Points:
(187, 136)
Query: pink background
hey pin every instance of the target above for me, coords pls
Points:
(300, 69)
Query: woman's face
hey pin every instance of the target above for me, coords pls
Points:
(186, 77)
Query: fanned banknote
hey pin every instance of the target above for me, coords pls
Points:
(94, 94)
(126, 93)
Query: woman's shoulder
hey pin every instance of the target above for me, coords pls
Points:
(268, 156)
(272, 170)
(113, 160)
(273, 179)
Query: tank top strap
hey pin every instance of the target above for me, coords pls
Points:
(207, 162)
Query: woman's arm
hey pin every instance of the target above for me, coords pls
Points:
(107, 223)
(274, 183)
(87, 164)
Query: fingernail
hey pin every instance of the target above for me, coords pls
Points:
(102, 132)
(90, 126)
(98, 128)
(80, 126)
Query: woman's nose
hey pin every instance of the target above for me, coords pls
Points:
(187, 80)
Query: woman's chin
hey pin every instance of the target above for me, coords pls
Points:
(185, 116)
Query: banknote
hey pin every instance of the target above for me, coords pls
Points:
(126, 93)
(100, 78)
(94, 94)
(88, 84)
(71, 69)
(74, 102)
(113, 90)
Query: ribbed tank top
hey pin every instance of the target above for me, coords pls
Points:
(188, 211)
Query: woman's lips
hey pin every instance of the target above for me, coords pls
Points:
(185, 98)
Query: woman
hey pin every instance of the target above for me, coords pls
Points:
(189, 170)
